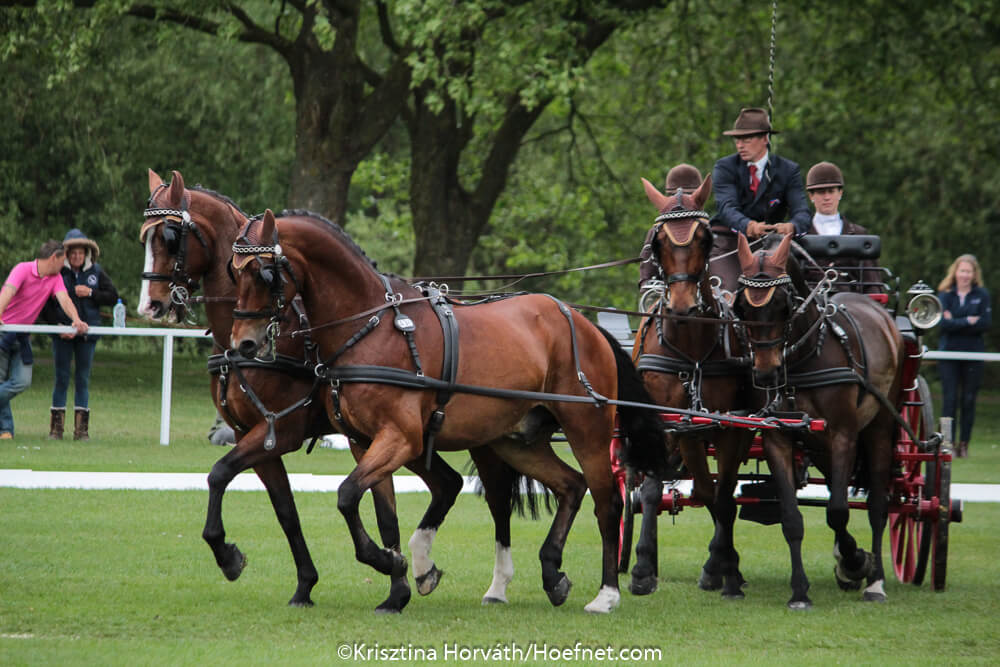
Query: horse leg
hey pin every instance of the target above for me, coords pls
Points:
(498, 481)
(878, 442)
(250, 452)
(569, 488)
(731, 448)
(853, 564)
(589, 440)
(445, 483)
(646, 569)
(703, 491)
(384, 500)
(778, 450)
(389, 451)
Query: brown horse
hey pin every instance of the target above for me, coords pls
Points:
(188, 235)
(409, 370)
(690, 358)
(838, 358)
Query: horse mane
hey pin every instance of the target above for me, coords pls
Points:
(221, 197)
(334, 229)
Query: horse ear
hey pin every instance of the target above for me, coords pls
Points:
(659, 199)
(702, 193)
(154, 181)
(779, 257)
(745, 255)
(267, 227)
(176, 192)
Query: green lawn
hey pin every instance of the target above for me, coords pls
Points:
(123, 577)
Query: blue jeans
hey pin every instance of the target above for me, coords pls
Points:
(15, 377)
(63, 352)
(960, 381)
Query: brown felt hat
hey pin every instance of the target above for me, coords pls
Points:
(684, 176)
(751, 121)
(824, 175)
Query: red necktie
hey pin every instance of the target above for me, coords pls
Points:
(754, 181)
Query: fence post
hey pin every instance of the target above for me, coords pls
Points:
(168, 367)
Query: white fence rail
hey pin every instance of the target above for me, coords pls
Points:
(168, 336)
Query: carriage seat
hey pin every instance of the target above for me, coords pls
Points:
(617, 325)
(853, 255)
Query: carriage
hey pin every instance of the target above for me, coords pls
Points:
(920, 506)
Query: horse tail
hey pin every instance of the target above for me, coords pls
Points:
(644, 444)
(527, 498)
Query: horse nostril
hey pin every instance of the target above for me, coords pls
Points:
(248, 348)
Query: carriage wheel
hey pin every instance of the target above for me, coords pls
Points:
(909, 535)
(933, 532)
(626, 487)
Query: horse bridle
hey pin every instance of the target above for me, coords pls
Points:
(177, 224)
(272, 273)
(701, 219)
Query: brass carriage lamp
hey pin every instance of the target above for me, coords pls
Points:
(924, 309)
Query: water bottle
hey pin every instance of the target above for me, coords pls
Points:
(119, 311)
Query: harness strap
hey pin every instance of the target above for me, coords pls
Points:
(449, 364)
(598, 398)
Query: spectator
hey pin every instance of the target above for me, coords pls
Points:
(22, 297)
(757, 192)
(825, 187)
(966, 316)
(89, 288)
(683, 177)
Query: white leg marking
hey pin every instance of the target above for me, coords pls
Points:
(420, 549)
(876, 592)
(503, 572)
(606, 601)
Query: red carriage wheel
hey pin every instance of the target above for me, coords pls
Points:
(910, 535)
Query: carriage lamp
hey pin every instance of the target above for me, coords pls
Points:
(924, 309)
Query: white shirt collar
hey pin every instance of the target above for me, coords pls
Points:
(828, 224)
(761, 163)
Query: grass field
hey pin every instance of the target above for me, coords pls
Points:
(123, 577)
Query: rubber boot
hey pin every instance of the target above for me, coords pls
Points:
(57, 423)
(81, 424)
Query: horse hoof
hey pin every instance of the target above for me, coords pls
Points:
(800, 605)
(643, 585)
(300, 603)
(710, 582)
(845, 583)
(493, 600)
(874, 597)
(236, 560)
(560, 591)
(736, 594)
(384, 609)
(426, 583)
(399, 597)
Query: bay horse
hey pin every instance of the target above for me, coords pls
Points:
(188, 235)
(837, 357)
(690, 357)
(411, 371)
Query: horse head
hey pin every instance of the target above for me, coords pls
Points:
(265, 286)
(681, 245)
(764, 304)
(180, 246)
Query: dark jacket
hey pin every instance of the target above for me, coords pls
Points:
(957, 335)
(779, 198)
(865, 276)
(88, 308)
